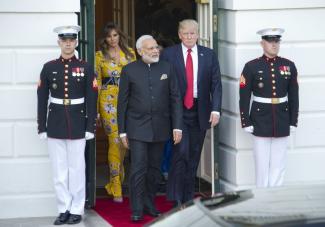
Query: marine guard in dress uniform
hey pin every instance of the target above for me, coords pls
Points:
(69, 86)
(271, 82)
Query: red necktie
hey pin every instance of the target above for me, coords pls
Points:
(188, 100)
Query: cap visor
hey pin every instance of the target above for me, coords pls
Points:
(272, 38)
(68, 36)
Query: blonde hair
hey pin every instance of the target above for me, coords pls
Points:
(188, 22)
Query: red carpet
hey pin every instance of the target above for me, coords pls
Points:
(118, 214)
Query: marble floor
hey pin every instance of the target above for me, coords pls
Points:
(90, 219)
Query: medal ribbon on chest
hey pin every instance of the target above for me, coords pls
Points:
(284, 70)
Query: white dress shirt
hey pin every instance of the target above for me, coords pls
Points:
(194, 55)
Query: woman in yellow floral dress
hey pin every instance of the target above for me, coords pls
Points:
(113, 54)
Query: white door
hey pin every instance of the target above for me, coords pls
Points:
(204, 17)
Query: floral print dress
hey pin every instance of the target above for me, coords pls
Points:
(108, 77)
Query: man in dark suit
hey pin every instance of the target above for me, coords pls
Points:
(274, 111)
(199, 80)
(149, 111)
(69, 86)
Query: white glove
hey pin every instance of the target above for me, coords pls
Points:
(292, 128)
(249, 129)
(89, 135)
(43, 135)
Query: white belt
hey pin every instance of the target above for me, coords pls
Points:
(67, 101)
(270, 100)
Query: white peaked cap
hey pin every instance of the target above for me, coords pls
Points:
(68, 31)
(271, 32)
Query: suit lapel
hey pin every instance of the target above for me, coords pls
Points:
(180, 62)
(200, 56)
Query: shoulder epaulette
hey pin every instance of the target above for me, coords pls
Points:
(286, 59)
(254, 60)
(51, 61)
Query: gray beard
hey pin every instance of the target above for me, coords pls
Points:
(147, 59)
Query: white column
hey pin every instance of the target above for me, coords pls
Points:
(26, 43)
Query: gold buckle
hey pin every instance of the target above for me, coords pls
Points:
(275, 100)
(66, 101)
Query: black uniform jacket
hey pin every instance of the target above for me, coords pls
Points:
(209, 88)
(149, 104)
(269, 78)
(67, 79)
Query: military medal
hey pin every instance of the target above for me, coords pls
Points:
(74, 72)
(260, 85)
(82, 72)
(78, 71)
(288, 68)
(54, 86)
(284, 70)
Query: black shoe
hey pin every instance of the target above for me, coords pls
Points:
(177, 203)
(62, 218)
(136, 217)
(74, 219)
(152, 212)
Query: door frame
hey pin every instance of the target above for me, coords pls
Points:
(214, 21)
(207, 14)
(86, 49)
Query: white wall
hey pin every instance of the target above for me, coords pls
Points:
(26, 43)
(304, 43)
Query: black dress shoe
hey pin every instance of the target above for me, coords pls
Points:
(136, 217)
(152, 212)
(177, 203)
(74, 219)
(62, 218)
